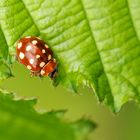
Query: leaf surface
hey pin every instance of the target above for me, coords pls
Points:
(19, 120)
(96, 43)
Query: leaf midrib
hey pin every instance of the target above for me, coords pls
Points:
(131, 19)
(5, 41)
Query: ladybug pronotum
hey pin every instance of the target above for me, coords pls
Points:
(36, 56)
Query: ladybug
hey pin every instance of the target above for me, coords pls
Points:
(35, 54)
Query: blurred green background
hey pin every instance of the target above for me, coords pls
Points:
(123, 126)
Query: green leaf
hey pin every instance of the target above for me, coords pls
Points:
(5, 71)
(19, 120)
(96, 43)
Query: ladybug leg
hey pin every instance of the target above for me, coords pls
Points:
(16, 57)
(34, 74)
(41, 77)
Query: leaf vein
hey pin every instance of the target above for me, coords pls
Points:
(88, 23)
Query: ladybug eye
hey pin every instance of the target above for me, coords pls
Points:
(36, 56)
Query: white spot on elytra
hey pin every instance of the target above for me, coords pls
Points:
(21, 55)
(43, 51)
(28, 48)
(54, 60)
(49, 57)
(42, 72)
(34, 42)
(37, 56)
(38, 38)
(42, 64)
(31, 61)
(46, 46)
(28, 37)
(19, 45)
(29, 67)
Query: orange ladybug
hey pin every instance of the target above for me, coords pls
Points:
(35, 54)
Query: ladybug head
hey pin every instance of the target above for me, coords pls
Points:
(54, 73)
(50, 69)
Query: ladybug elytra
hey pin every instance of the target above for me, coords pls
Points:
(36, 56)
